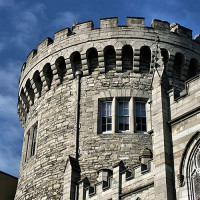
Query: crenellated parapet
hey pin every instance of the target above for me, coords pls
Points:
(108, 48)
(119, 182)
(103, 96)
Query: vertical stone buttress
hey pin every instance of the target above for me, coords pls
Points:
(162, 145)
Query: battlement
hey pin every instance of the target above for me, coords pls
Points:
(132, 23)
(189, 97)
(120, 182)
(94, 94)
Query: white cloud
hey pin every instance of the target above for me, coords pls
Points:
(65, 19)
(9, 76)
(8, 106)
(27, 24)
(10, 160)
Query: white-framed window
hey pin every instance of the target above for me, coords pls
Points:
(140, 117)
(106, 116)
(123, 116)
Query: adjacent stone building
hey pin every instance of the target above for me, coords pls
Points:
(111, 113)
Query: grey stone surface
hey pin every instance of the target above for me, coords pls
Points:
(168, 84)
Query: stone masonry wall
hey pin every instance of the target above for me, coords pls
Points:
(52, 105)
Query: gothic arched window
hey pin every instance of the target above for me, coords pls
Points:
(194, 175)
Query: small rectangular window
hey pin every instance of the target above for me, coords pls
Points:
(123, 116)
(140, 117)
(106, 116)
(33, 146)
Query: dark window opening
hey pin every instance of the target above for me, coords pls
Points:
(92, 59)
(48, 74)
(145, 59)
(127, 58)
(61, 68)
(109, 58)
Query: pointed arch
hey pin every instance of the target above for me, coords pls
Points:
(189, 166)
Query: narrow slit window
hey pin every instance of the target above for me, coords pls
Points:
(123, 116)
(33, 146)
(106, 116)
(26, 155)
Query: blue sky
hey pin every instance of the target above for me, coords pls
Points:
(25, 23)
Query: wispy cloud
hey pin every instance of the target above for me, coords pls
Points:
(5, 3)
(26, 24)
(9, 76)
(65, 19)
(10, 147)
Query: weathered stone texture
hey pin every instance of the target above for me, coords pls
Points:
(49, 102)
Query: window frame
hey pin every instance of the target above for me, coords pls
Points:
(119, 100)
(33, 142)
(30, 143)
(115, 101)
(135, 116)
(101, 116)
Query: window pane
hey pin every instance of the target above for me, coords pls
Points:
(109, 127)
(120, 108)
(126, 105)
(126, 126)
(109, 109)
(120, 127)
(137, 112)
(109, 120)
(138, 127)
(142, 106)
(137, 105)
(103, 109)
(106, 116)
(126, 112)
(144, 120)
(104, 128)
(103, 120)
(143, 127)
(137, 119)
(121, 120)
(126, 120)
(140, 117)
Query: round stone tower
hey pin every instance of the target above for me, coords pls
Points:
(86, 94)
